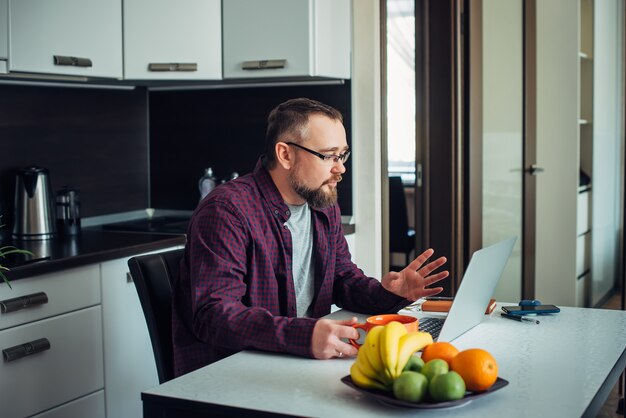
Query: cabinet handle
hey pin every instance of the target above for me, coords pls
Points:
(534, 169)
(72, 61)
(263, 64)
(26, 349)
(23, 302)
(172, 66)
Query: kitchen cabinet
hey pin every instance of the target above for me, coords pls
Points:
(51, 341)
(579, 144)
(69, 37)
(91, 406)
(172, 40)
(4, 35)
(286, 38)
(4, 29)
(129, 365)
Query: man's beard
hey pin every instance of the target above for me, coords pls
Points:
(316, 198)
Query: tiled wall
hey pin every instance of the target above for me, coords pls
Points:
(126, 150)
(223, 129)
(94, 140)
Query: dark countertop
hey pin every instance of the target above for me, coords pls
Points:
(97, 244)
(91, 246)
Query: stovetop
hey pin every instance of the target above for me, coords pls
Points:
(176, 225)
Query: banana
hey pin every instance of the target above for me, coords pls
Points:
(389, 340)
(365, 366)
(372, 348)
(362, 380)
(409, 344)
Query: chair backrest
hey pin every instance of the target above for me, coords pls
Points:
(153, 275)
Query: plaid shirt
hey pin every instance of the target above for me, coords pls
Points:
(235, 288)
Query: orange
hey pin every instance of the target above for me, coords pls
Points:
(439, 349)
(477, 367)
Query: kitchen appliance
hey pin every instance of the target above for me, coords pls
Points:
(68, 212)
(34, 211)
(174, 225)
(207, 183)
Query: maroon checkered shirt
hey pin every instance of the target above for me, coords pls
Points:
(235, 288)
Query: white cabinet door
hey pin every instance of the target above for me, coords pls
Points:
(46, 295)
(172, 39)
(129, 365)
(68, 368)
(4, 29)
(72, 37)
(284, 38)
(91, 406)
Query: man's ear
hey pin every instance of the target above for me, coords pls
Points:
(284, 157)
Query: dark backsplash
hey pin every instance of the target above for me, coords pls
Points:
(96, 141)
(225, 130)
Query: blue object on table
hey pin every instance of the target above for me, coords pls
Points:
(529, 302)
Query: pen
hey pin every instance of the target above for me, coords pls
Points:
(519, 318)
(439, 298)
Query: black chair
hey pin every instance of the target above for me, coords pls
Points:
(153, 275)
(401, 237)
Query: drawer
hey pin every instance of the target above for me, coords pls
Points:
(91, 406)
(583, 254)
(583, 212)
(66, 291)
(582, 284)
(72, 367)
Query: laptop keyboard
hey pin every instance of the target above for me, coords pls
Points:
(432, 326)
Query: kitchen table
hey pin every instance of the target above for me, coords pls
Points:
(563, 367)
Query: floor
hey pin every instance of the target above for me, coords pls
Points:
(609, 410)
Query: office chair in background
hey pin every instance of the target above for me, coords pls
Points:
(153, 275)
(401, 236)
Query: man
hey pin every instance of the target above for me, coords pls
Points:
(265, 254)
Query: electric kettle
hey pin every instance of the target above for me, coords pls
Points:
(34, 211)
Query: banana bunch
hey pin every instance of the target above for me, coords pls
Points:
(384, 354)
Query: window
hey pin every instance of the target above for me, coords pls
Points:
(401, 89)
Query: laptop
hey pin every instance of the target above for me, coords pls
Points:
(476, 289)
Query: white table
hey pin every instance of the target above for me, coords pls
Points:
(564, 367)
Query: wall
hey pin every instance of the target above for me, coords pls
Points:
(223, 129)
(93, 140)
(126, 150)
(366, 126)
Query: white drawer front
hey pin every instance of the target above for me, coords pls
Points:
(70, 368)
(91, 406)
(582, 214)
(66, 291)
(583, 254)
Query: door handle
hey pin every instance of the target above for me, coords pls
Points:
(534, 169)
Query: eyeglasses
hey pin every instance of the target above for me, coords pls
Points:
(326, 158)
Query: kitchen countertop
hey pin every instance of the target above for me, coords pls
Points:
(100, 243)
(93, 245)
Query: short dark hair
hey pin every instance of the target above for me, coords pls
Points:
(290, 118)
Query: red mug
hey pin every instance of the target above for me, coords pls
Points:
(410, 322)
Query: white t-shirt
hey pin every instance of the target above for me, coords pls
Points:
(299, 225)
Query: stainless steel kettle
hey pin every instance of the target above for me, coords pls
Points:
(34, 210)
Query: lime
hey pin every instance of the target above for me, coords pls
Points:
(414, 364)
(410, 386)
(435, 367)
(447, 387)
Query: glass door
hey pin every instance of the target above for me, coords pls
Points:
(503, 130)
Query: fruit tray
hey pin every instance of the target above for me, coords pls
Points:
(388, 397)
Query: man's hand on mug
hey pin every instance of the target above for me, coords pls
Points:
(329, 337)
(412, 282)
